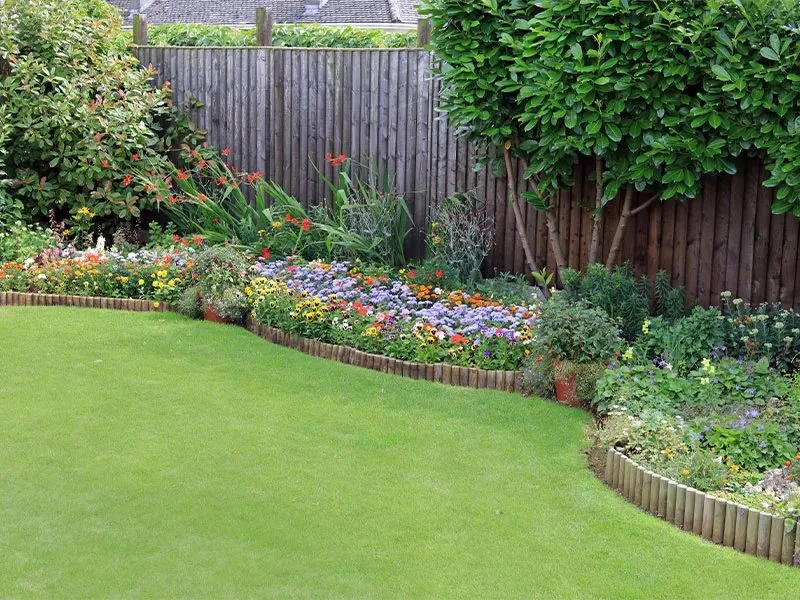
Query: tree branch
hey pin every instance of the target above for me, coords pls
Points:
(647, 203)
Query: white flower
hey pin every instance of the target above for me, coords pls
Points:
(41, 276)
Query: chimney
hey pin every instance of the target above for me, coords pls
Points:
(139, 6)
(313, 6)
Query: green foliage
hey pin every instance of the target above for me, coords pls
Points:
(723, 384)
(19, 242)
(622, 295)
(660, 93)
(364, 219)
(768, 330)
(577, 332)
(79, 111)
(461, 236)
(682, 343)
(755, 445)
(222, 274)
(190, 303)
(298, 36)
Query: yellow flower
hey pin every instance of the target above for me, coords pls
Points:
(156, 304)
(628, 354)
(371, 332)
(277, 224)
(685, 472)
(141, 282)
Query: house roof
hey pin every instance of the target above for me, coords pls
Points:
(242, 12)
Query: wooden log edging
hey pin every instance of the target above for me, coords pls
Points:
(132, 304)
(715, 519)
(507, 381)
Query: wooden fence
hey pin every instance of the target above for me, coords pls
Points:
(281, 110)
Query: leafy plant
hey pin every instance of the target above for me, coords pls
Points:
(577, 332)
(461, 235)
(20, 242)
(79, 112)
(300, 36)
(222, 274)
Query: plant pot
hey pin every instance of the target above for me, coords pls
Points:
(566, 390)
(210, 315)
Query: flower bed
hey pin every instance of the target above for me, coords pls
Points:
(143, 274)
(337, 303)
(716, 519)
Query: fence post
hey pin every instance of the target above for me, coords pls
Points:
(264, 23)
(423, 32)
(140, 30)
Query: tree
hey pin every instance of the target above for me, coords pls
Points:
(634, 86)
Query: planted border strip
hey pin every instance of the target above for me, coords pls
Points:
(718, 520)
(444, 373)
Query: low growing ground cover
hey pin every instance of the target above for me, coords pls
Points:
(148, 455)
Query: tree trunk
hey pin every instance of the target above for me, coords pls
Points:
(555, 240)
(594, 247)
(518, 220)
(616, 243)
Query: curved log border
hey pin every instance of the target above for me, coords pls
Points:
(508, 381)
(715, 519)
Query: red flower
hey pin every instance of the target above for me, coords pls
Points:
(202, 165)
(291, 268)
(222, 180)
(253, 177)
(439, 273)
(104, 164)
(539, 359)
(127, 180)
(175, 237)
(788, 463)
(215, 220)
(97, 137)
(226, 152)
(182, 175)
(412, 274)
(135, 156)
(172, 199)
(288, 218)
(306, 225)
(458, 339)
(328, 156)
(295, 222)
(202, 197)
(197, 239)
(265, 253)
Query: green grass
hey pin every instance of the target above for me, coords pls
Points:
(143, 455)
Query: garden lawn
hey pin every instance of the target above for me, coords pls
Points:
(146, 455)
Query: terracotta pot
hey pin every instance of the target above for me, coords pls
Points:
(566, 391)
(210, 315)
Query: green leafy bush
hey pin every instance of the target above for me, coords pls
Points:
(576, 332)
(768, 330)
(19, 242)
(298, 36)
(754, 444)
(222, 273)
(623, 295)
(461, 236)
(682, 343)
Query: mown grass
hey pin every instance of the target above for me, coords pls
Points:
(144, 455)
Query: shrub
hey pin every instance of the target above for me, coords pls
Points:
(576, 332)
(682, 343)
(755, 444)
(622, 295)
(461, 236)
(301, 36)
(80, 109)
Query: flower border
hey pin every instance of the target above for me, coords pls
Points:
(470, 377)
(715, 519)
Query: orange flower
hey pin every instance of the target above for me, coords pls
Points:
(202, 197)
(439, 273)
(412, 274)
(197, 239)
(135, 156)
(127, 180)
(306, 225)
(226, 152)
(182, 175)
